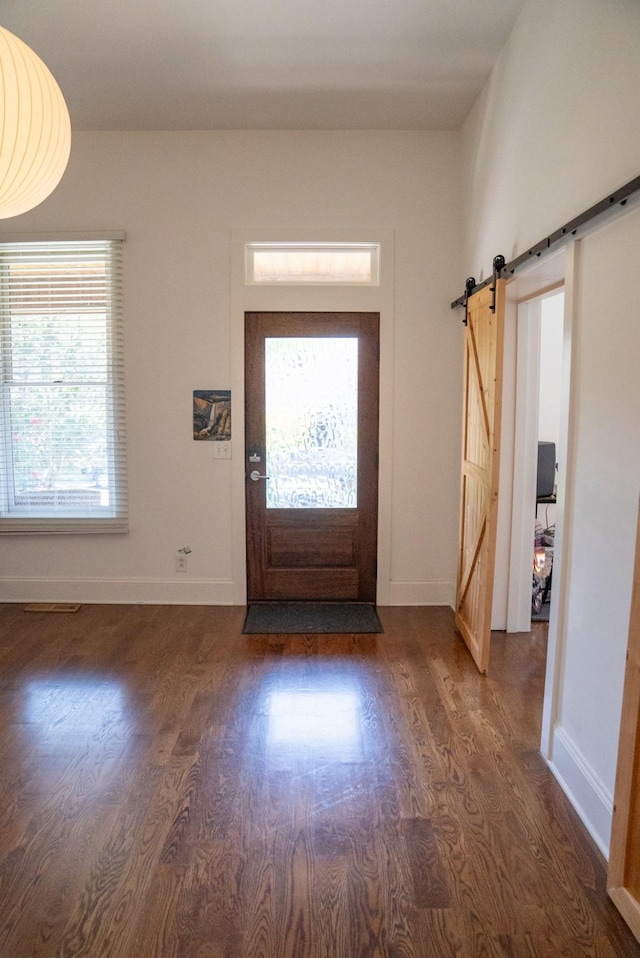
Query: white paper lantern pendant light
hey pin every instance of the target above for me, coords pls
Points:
(35, 130)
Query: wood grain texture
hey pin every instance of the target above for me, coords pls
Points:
(624, 862)
(481, 420)
(170, 788)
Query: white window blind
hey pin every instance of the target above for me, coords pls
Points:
(62, 409)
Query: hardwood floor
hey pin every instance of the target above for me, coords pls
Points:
(170, 788)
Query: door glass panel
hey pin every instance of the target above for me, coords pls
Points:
(311, 418)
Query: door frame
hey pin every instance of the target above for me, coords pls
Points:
(311, 298)
(551, 272)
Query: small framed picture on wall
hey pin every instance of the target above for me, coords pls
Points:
(212, 414)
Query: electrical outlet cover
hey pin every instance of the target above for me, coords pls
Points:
(222, 449)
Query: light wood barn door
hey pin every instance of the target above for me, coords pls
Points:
(480, 461)
(624, 861)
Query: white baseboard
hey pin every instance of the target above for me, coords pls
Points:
(591, 800)
(422, 593)
(181, 591)
(178, 591)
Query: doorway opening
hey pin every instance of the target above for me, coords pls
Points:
(548, 443)
(536, 397)
(538, 458)
(540, 371)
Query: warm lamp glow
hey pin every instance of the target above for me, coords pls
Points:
(35, 131)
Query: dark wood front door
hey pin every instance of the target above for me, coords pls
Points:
(311, 455)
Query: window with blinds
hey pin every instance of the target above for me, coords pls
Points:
(62, 410)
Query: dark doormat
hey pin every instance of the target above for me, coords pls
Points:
(289, 618)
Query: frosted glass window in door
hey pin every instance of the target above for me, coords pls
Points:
(311, 419)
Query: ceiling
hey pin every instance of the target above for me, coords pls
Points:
(266, 64)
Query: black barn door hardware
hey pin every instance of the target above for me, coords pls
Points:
(562, 235)
(468, 287)
(498, 265)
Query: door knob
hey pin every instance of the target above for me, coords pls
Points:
(255, 475)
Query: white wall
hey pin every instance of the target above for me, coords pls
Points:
(605, 488)
(179, 197)
(556, 129)
(551, 322)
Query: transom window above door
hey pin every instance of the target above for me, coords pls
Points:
(293, 264)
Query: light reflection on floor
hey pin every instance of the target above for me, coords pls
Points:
(315, 718)
(73, 708)
(311, 717)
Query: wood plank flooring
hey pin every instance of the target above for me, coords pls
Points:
(171, 788)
